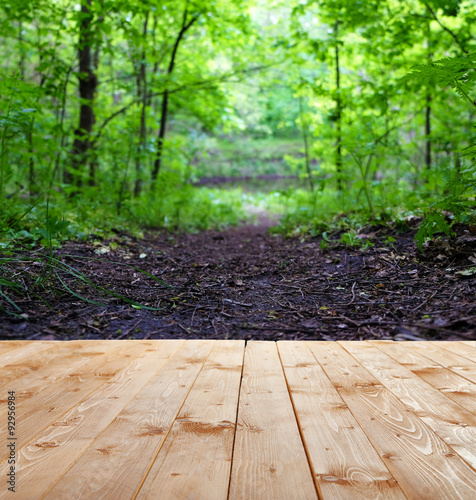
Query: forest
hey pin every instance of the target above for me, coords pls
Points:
(256, 169)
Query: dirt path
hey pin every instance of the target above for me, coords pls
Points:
(244, 283)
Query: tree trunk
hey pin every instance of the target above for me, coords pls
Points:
(31, 161)
(428, 107)
(142, 94)
(165, 98)
(22, 52)
(93, 159)
(428, 132)
(338, 112)
(161, 137)
(306, 145)
(87, 89)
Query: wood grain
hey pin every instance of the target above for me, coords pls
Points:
(460, 348)
(269, 461)
(344, 462)
(455, 425)
(195, 459)
(40, 406)
(424, 466)
(158, 419)
(457, 364)
(114, 466)
(48, 364)
(9, 345)
(453, 386)
(25, 352)
(45, 459)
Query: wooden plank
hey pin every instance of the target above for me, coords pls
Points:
(457, 364)
(9, 345)
(44, 460)
(424, 466)
(195, 459)
(27, 366)
(116, 463)
(26, 351)
(344, 462)
(459, 348)
(48, 365)
(269, 461)
(36, 410)
(471, 343)
(15, 342)
(453, 386)
(455, 425)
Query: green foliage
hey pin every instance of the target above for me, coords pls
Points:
(441, 215)
(458, 73)
(435, 222)
(352, 240)
(188, 208)
(370, 103)
(246, 156)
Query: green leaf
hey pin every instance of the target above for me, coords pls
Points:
(467, 272)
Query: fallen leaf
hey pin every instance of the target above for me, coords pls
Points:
(102, 250)
(467, 272)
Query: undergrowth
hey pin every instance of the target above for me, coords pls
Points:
(31, 233)
(438, 204)
(42, 272)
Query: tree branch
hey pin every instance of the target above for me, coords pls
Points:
(183, 30)
(151, 95)
(453, 35)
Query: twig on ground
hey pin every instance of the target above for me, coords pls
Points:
(424, 302)
(129, 330)
(183, 328)
(353, 294)
(234, 302)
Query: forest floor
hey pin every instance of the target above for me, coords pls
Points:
(246, 284)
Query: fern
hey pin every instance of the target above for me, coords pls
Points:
(457, 72)
(435, 220)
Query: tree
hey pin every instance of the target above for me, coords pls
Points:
(88, 82)
(187, 22)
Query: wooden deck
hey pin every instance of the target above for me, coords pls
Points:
(203, 419)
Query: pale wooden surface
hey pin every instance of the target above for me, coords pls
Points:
(467, 351)
(344, 462)
(452, 385)
(456, 426)
(123, 453)
(411, 451)
(269, 461)
(454, 362)
(205, 419)
(51, 453)
(195, 458)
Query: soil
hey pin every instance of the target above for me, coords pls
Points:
(244, 283)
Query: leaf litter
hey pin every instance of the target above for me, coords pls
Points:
(244, 283)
